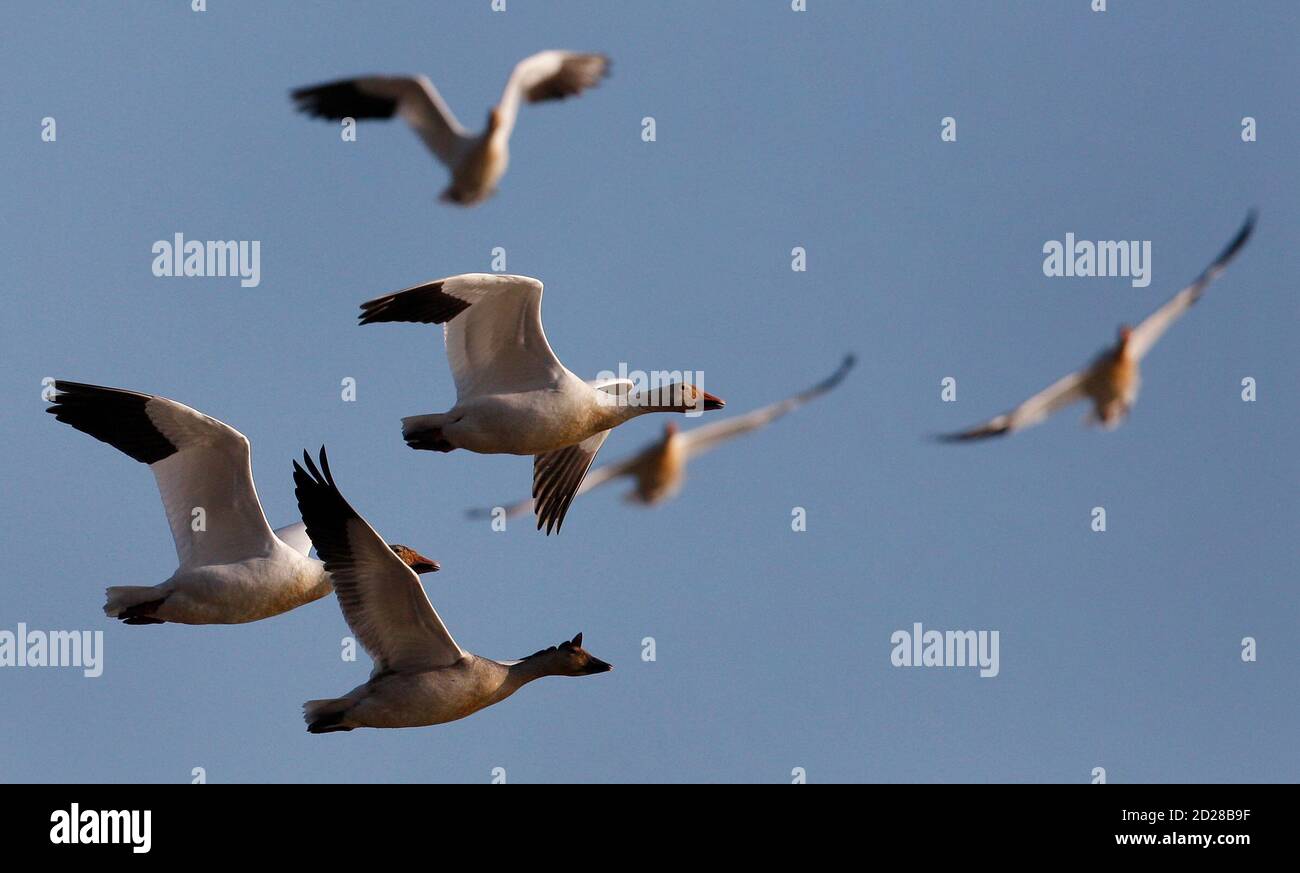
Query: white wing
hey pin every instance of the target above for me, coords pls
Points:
(549, 75)
(701, 439)
(1058, 395)
(413, 97)
(381, 598)
(295, 537)
(610, 472)
(495, 341)
(199, 463)
(1144, 336)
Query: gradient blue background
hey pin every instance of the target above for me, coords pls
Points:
(775, 129)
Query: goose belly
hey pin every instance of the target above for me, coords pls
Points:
(1114, 390)
(418, 699)
(477, 176)
(662, 478)
(243, 591)
(532, 423)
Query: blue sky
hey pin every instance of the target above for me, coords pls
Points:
(775, 129)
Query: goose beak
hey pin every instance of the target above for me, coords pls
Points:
(425, 565)
(712, 402)
(596, 665)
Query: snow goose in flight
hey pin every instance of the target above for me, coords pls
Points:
(659, 469)
(1111, 381)
(234, 568)
(421, 676)
(476, 161)
(513, 395)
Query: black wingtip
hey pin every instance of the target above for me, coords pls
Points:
(115, 416)
(313, 474)
(325, 466)
(419, 304)
(1230, 251)
(971, 436)
(837, 377)
(341, 99)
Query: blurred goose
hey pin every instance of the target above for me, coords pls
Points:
(421, 676)
(233, 568)
(659, 469)
(476, 161)
(1110, 383)
(513, 395)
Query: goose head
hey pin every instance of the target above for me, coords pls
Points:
(676, 397)
(570, 659)
(413, 559)
(1125, 334)
(670, 430)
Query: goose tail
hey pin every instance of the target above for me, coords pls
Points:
(326, 716)
(425, 432)
(134, 604)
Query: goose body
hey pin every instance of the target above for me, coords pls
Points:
(513, 396)
(235, 592)
(427, 697)
(233, 567)
(660, 472)
(1110, 384)
(476, 161)
(528, 422)
(421, 675)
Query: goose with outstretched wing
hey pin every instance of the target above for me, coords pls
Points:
(513, 396)
(1110, 383)
(421, 675)
(476, 161)
(233, 567)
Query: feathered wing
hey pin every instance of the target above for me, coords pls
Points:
(1060, 394)
(381, 598)
(1146, 334)
(558, 475)
(512, 510)
(594, 479)
(701, 439)
(199, 463)
(295, 537)
(549, 75)
(493, 329)
(413, 97)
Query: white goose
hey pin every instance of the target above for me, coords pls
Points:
(1111, 382)
(421, 676)
(513, 395)
(477, 162)
(233, 569)
(659, 469)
